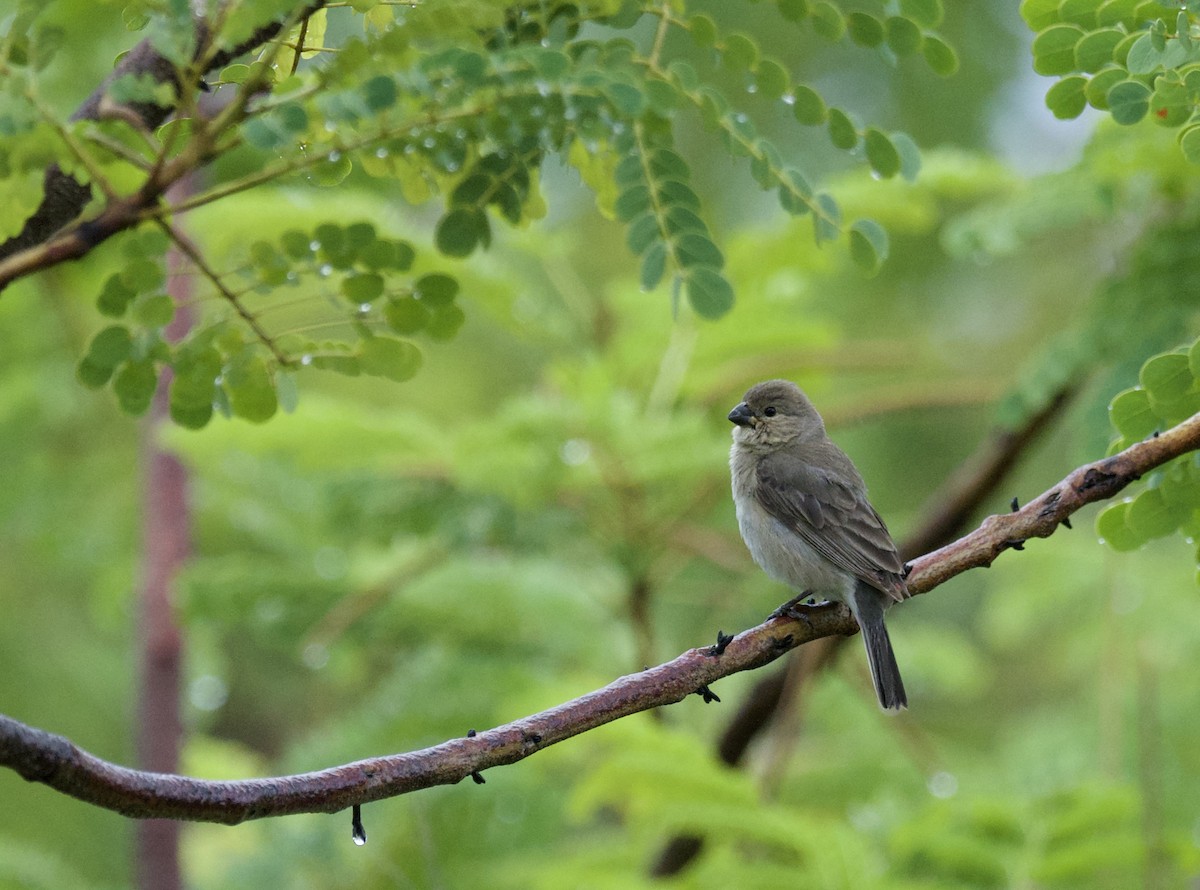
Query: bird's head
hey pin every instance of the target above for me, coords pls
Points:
(775, 413)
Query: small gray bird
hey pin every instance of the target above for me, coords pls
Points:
(803, 511)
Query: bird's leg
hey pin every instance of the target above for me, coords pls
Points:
(796, 608)
(789, 609)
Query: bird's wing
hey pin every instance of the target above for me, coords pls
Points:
(830, 513)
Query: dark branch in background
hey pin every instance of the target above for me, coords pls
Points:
(39, 756)
(950, 508)
(946, 514)
(64, 197)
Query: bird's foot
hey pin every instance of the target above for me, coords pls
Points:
(723, 640)
(791, 609)
(797, 607)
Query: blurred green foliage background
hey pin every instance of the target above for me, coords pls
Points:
(545, 507)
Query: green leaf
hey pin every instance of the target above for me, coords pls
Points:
(903, 36)
(1189, 143)
(287, 392)
(92, 375)
(795, 192)
(193, 388)
(666, 164)
(703, 30)
(864, 29)
(881, 153)
(154, 311)
(939, 56)
(1166, 377)
(632, 203)
(110, 347)
(445, 322)
(1097, 88)
(248, 383)
(191, 417)
(682, 219)
(1129, 101)
(827, 218)
(1149, 516)
(927, 13)
(379, 93)
(1146, 55)
(237, 73)
(708, 292)
(1194, 359)
(1131, 414)
(910, 156)
(134, 386)
(143, 275)
(684, 74)
(673, 192)
(808, 106)
(134, 18)
(332, 171)
(386, 357)
(1054, 49)
(461, 230)
(1066, 98)
(654, 264)
(362, 287)
(740, 52)
(405, 315)
(435, 289)
(663, 96)
(1078, 12)
(827, 20)
(842, 132)
(793, 10)
(1112, 529)
(339, 364)
(296, 244)
(771, 80)
(332, 245)
(694, 249)
(292, 117)
(1121, 53)
(1119, 12)
(359, 236)
(1096, 49)
(868, 245)
(116, 296)
(1143, 57)
(626, 98)
(642, 233)
(1170, 105)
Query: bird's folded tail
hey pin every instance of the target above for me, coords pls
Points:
(867, 606)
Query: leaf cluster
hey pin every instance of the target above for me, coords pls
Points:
(1132, 58)
(1168, 393)
(463, 100)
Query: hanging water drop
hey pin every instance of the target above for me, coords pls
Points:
(356, 827)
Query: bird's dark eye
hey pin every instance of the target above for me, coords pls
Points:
(769, 411)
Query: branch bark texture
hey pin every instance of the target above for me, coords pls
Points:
(40, 756)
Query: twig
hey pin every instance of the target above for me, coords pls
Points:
(40, 756)
(64, 196)
(188, 249)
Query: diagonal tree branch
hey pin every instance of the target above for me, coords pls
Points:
(40, 756)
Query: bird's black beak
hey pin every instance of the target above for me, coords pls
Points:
(741, 415)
